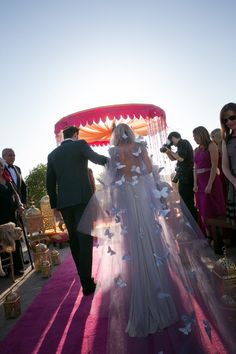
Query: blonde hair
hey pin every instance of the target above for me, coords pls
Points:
(216, 135)
(122, 134)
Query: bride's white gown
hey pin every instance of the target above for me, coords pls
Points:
(140, 265)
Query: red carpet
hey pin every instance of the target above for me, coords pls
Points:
(58, 321)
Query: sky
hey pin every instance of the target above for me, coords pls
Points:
(62, 56)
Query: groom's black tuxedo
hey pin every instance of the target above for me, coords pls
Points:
(70, 190)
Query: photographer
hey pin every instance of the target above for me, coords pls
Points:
(184, 168)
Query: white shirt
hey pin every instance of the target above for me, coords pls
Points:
(13, 174)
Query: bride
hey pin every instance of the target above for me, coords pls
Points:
(160, 298)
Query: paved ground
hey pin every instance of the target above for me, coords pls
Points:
(28, 288)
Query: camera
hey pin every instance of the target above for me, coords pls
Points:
(166, 146)
(175, 179)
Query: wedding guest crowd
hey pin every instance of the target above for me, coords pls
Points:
(209, 172)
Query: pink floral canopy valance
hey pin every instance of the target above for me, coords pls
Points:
(96, 124)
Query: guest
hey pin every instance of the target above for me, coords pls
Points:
(228, 124)
(207, 183)
(184, 168)
(8, 155)
(216, 136)
(10, 204)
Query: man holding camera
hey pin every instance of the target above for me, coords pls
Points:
(184, 168)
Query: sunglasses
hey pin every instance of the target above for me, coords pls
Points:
(231, 118)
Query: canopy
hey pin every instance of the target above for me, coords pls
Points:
(96, 124)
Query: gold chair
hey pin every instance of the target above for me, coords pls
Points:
(47, 215)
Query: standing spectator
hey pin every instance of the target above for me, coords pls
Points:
(228, 124)
(10, 204)
(8, 155)
(207, 183)
(184, 168)
(216, 136)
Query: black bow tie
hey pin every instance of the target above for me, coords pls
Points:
(10, 166)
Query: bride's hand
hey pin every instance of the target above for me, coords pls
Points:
(57, 215)
(107, 163)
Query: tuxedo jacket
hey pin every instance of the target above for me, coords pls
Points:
(67, 178)
(20, 184)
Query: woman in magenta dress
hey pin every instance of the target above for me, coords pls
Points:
(208, 187)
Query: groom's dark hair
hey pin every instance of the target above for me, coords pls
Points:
(70, 131)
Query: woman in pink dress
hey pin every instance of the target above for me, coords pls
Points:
(216, 136)
(208, 187)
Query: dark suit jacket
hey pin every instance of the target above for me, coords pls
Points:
(67, 177)
(20, 185)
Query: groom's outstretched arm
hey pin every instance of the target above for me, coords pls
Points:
(92, 155)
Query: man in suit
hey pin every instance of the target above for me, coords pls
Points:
(9, 156)
(18, 183)
(70, 190)
(184, 168)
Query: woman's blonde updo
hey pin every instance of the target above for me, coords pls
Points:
(122, 134)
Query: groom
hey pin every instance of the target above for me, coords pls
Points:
(70, 190)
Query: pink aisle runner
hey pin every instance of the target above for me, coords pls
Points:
(59, 319)
(62, 321)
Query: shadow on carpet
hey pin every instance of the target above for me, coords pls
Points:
(59, 319)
